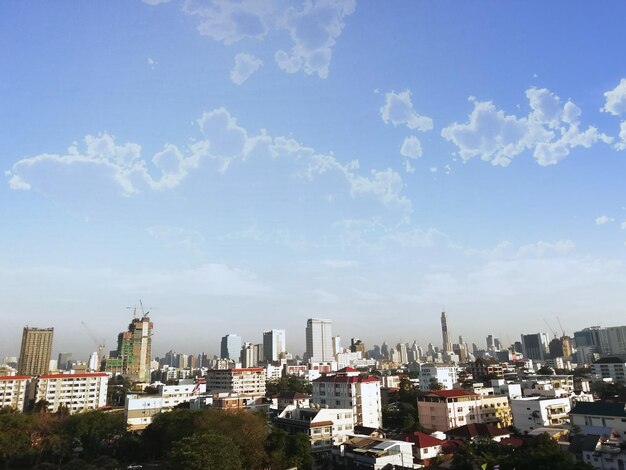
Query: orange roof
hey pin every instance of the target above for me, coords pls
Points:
(15, 377)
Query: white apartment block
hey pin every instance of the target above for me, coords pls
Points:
(536, 412)
(248, 382)
(13, 391)
(611, 368)
(139, 410)
(325, 427)
(76, 392)
(351, 390)
(173, 395)
(600, 414)
(442, 410)
(444, 374)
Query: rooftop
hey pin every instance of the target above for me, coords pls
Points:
(600, 408)
(454, 393)
(470, 431)
(422, 440)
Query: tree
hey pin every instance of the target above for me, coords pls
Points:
(15, 433)
(207, 451)
(434, 384)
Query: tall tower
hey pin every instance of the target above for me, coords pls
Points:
(319, 340)
(35, 351)
(230, 347)
(134, 351)
(273, 344)
(447, 342)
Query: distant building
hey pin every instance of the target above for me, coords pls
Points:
(319, 344)
(64, 361)
(230, 347)
(249, 355)
(447, 341)
(612, 368)
(134, 351)
(274, 344)
(433, 375)
(75, 392)
(534, 346)
(35, 351)
(483, 369)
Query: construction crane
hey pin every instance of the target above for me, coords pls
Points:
(101, 345)
(550, 328)
(562, 329)
(134, 309)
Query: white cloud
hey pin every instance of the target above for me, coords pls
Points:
(314, 30)
(155, 2)
(152, 63)
(603, 219)
(245, 66)
(229, 22)
(411, 147)
(102, 161)
(398, 110)
(623, 225)
(550, 128)
(616, 99)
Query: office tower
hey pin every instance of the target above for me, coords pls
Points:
(35, 351)
(274, 344)
(231, 347)
(447, 342)
(134, 351)
(567, 346)
(63, 361)
(249, 355)
(319, 340)
(402, 351)
(497, 344)
(356, 345)
(556, 348)
(94, 363)
(533, 346)
(613, 341)
(384, 350)
(336, 345)
(587, 337)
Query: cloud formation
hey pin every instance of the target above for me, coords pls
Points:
(313, 27)
(411, 147)
(551, 129)
(314, 30)
(604, 219)
(615, 103)
(245, 66)
(223, 141)
(398, 110)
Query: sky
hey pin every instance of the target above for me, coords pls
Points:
(245, 165)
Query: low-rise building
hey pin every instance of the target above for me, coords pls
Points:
(476, 431)
(325, 427)
(374, 453)
(600, 413)
(485, 369)
(533, 412)
(425, 447)
(13, 391)
(440, 410)
(75, 392)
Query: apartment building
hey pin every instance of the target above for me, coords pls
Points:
(612, 368)
(13, 391)
(535, 412)
(248, 381)
(350, 390)
(76, 392)
(431, 374)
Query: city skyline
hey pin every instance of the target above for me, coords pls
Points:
(360, 162)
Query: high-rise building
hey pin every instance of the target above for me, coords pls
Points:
(231, 347)
(319, 340)
(274, 344)
(35, 351)
(134, 351)
(533, 347)
(64, 360)
(447, 342)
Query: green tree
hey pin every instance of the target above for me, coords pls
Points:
(15, 436)
(95, 433)
(207, 451)
(545, 370)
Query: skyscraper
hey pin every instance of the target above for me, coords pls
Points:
(319, 340)
(134, 351)
(35, 351)
(273, 344)
(231, 347)
(447, 342)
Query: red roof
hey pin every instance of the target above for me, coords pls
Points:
(249, 369)
(15, 377)
(472, 430)
(454, 393)
(424, 440)
(339, 378)
(348, 369)
(73, 376)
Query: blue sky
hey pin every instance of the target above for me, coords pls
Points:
(242, 166)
